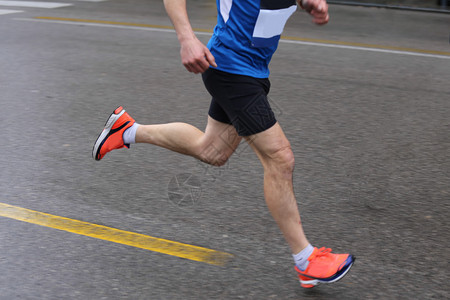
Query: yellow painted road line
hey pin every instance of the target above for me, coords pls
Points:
(349, 45)
(137, 240)
(117, 23)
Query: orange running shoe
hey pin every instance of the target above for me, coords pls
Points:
(324, 267)
(112, 136)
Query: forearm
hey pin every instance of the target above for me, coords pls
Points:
(176, 9)
(195, 56)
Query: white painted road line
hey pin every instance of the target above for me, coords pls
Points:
(9, 11)
(366, 49)
(33, 4)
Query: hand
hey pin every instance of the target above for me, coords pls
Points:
(195, 56)
(316, 8)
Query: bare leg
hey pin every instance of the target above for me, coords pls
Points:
(214, 146)
(275, 154)
(218, 142)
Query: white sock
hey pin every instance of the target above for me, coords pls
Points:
(129, 135)
(301, 258)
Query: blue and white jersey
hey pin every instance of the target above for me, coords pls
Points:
(247, 34)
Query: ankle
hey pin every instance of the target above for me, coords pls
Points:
(301, 258)
(129, 135)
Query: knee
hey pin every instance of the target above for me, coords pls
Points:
(282, 161)
(214, 156)
(217, 161)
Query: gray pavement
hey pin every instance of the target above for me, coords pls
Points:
(370, 133)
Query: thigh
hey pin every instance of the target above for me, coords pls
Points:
(220, 139)
(269, 144)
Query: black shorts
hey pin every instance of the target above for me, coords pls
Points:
(239, 100)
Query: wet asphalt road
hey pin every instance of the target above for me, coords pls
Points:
(370, 133)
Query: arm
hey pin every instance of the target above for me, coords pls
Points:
(195, 56)
(316, 8)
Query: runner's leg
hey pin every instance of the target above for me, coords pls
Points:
(275, 154)
(214, 146)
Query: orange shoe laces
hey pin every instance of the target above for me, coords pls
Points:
(320, 252)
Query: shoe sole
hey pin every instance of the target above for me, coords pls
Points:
(104, 134)
(313, 282)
